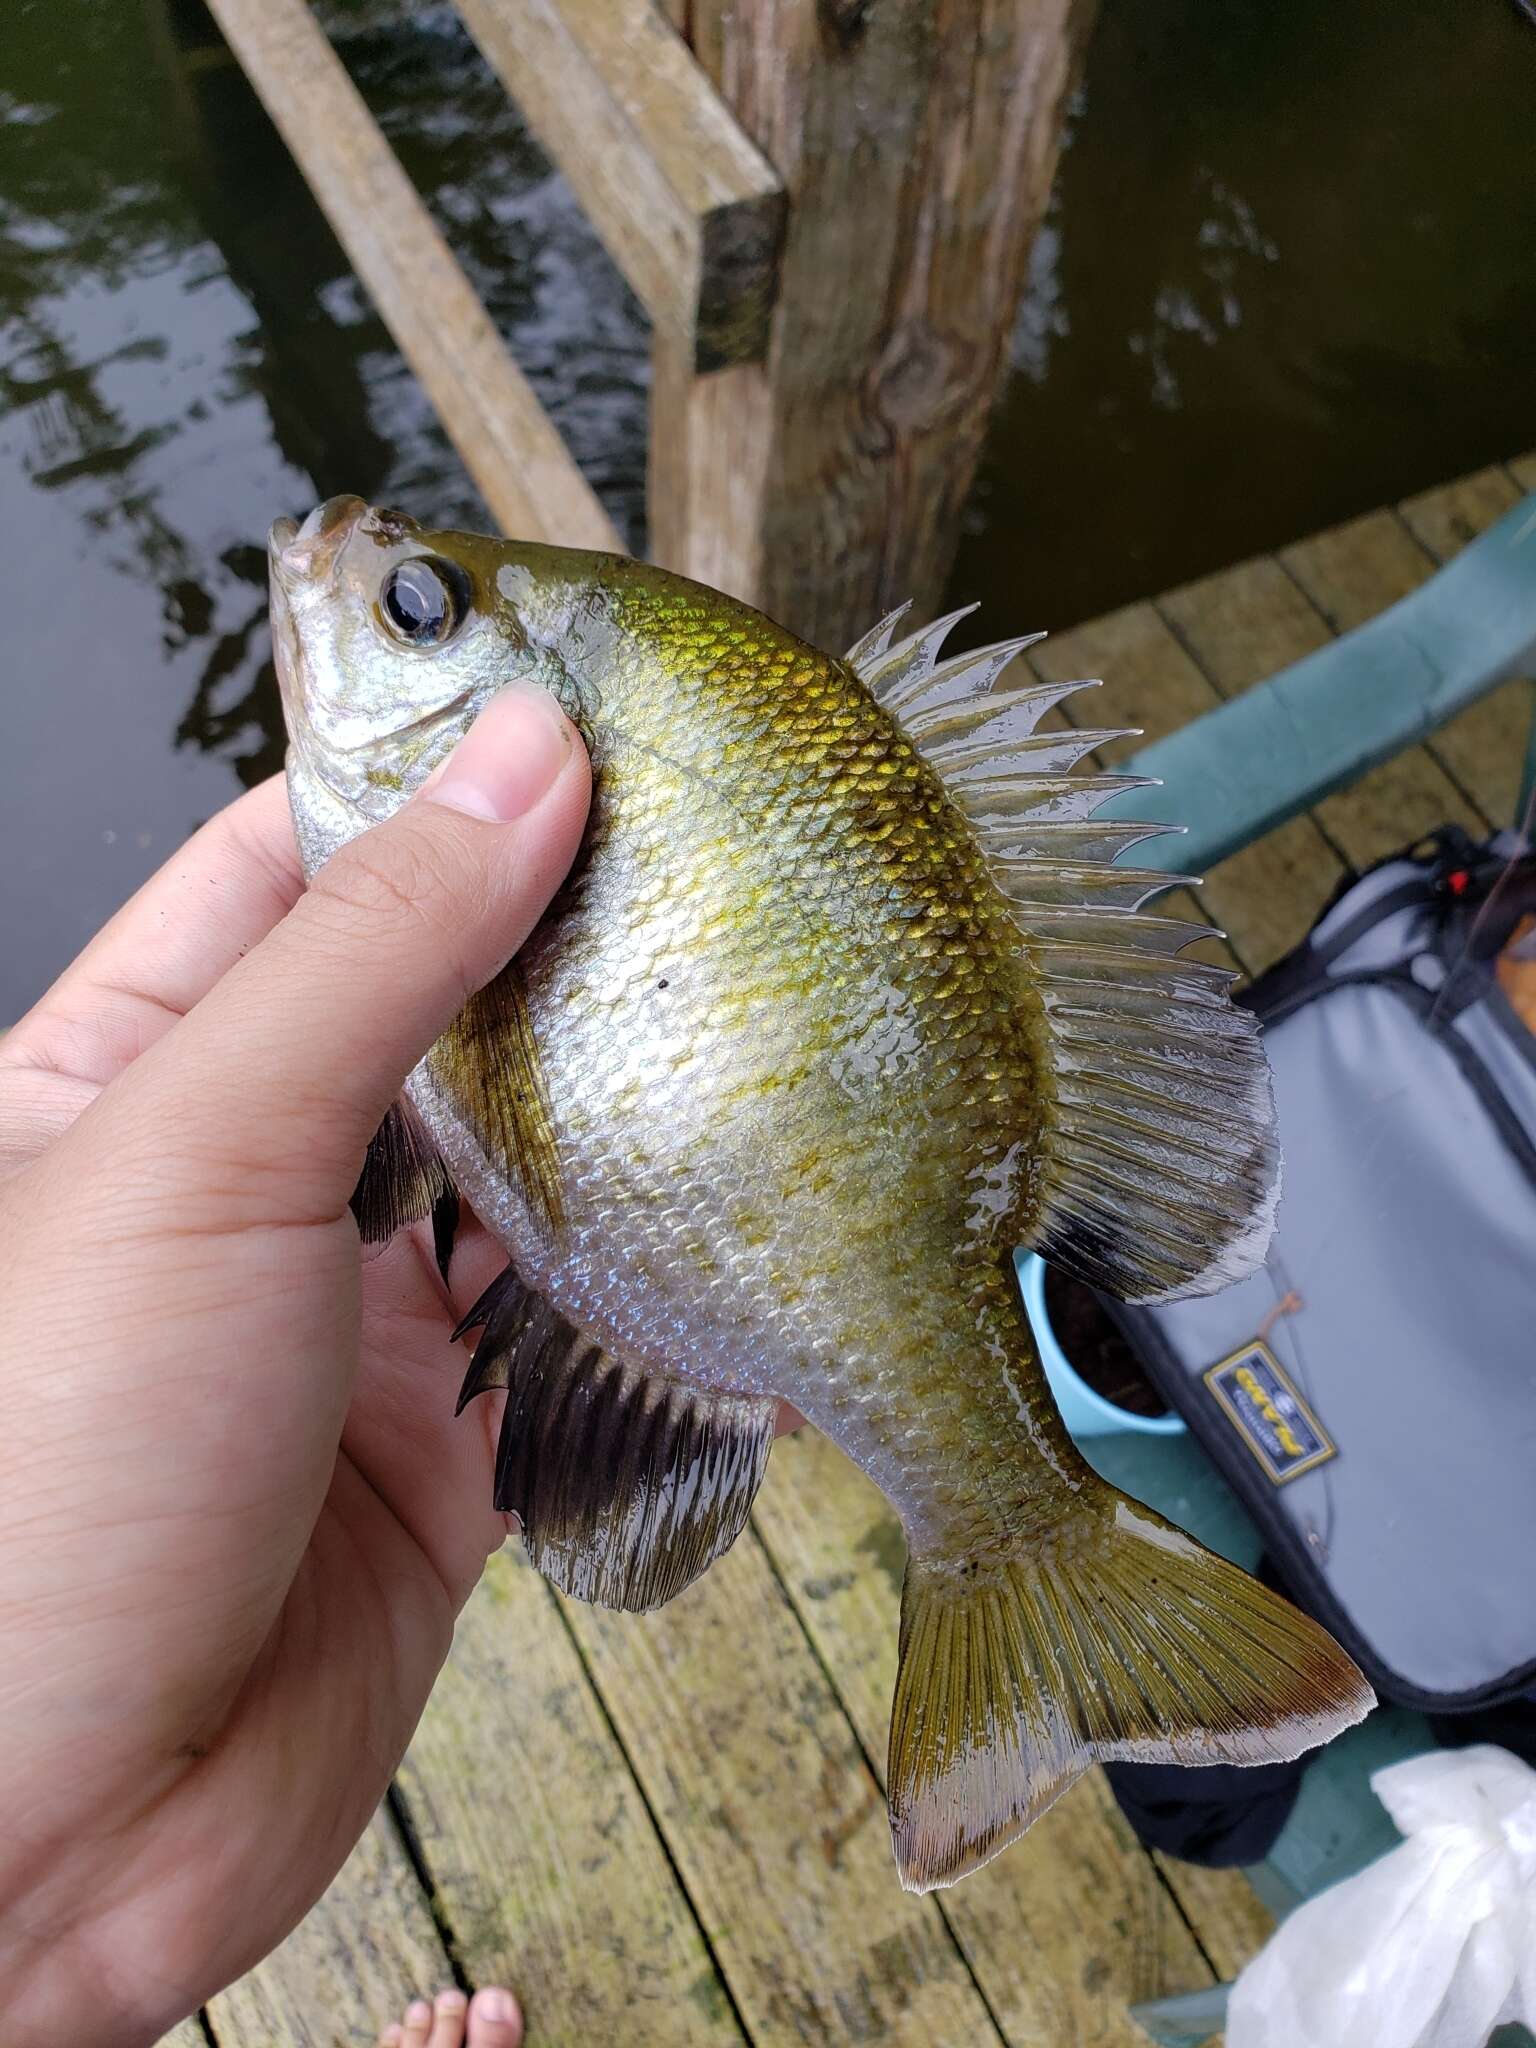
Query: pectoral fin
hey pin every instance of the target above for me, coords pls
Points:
(628, 1484)
(404, 1178)
(487, 1065)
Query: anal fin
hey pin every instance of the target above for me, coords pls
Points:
(628, 1485)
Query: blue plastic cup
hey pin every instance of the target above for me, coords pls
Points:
(1083, 1411)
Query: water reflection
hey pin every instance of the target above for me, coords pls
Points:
(1286, 277)
(183, 353)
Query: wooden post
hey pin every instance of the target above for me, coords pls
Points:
(917, 140)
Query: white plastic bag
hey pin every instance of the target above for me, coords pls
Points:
(1434, 1945)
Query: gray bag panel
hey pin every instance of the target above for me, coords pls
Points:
(1405, 1228)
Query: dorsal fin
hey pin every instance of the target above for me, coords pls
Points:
(887, 671)
(864, 653)
(1160, 1172)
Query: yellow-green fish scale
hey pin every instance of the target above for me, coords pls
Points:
(786, 1025)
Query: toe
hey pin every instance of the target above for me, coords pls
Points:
(494, 2020)
(390, 2038)
(418, 2024)
(448, 2011)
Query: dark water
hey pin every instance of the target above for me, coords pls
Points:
(1288, 274)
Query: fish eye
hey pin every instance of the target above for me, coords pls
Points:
(423, 601)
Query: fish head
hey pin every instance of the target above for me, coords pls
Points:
(389, 638)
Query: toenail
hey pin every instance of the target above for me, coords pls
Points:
(417, 2011)
(497, 2005)
(451, 2001)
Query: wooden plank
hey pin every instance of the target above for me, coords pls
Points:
(1263, 897)
(1484, 745)
(1247, 622)
(917, 141)
(1350, 574)
(188, 2035)
(773, 1818)
(689, 209)
(543, 1857)
(1069, 1926)
(1443, 520)
(1226, 1913)
(353, 1964)
(502, 433)
(1236, 621)
(708, 468)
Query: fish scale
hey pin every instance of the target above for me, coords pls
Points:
(843, 999)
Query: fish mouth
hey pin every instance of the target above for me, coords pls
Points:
(308, 553)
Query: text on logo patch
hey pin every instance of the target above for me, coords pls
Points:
(1257, 1398)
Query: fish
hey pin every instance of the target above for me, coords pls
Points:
(847, 996)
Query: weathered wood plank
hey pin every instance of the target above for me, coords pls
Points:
(917, 141)
(1225, 1911)
(708, 466)
(503, 435)
(1235, 621)
(1264, 897)
(1353, 572)
(688, 208)
(188, 2035)
(1443, 520)
(543, 1857)
(773, 1818)
(1245, 623)
(1069, 1926)
(354, 1963)
(1484, 745)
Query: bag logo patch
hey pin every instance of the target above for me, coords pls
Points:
(1257, 1398)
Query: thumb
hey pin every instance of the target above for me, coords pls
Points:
(271, 1088)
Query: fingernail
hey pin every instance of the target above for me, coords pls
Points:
(495, 2005)
(506, 761)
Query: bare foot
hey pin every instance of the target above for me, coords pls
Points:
(490, 2019)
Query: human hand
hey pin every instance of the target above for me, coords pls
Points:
(237, 1518)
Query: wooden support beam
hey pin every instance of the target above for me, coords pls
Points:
(688, 208)
(502, 433)
(917, 140)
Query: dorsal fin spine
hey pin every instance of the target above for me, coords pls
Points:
(874, 643)
(1179, 1197)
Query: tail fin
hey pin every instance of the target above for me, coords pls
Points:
(1125, 1640)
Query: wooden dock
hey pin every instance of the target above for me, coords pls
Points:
(668, 1831)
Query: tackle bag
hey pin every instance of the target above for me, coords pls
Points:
(1370, 1393)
